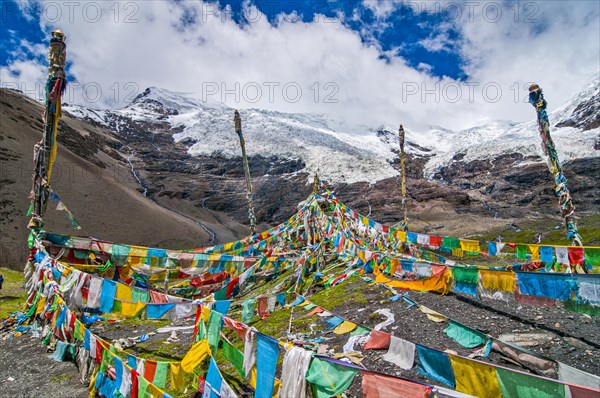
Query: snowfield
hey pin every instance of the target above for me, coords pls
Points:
(338, 151)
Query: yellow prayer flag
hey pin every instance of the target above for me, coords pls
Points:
(205, 314)
(436, 283)
(498, 280)
(129, 309)
(457, 252)
(433, 315)
(401, 236)
(469, 245)
(195, 356)
(40, 306)
(124, 292)
(177, 380)
(475, 378)
(535, 252)
(344, 327)
(380, 278)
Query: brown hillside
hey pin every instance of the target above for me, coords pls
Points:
(94, 182)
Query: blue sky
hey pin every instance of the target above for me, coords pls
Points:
(397, 34)
(379, 60)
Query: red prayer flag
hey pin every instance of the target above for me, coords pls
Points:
(576, 255)
(134, 383)
(435, 241)
(149, 370)
(378, 340)
(376, 385)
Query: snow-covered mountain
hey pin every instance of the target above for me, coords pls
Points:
(342, 152)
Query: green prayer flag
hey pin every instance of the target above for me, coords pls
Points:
(31, 240)
(309, 307)
(329, 379)
(451, 243)
(201, 331)
(514, 384)
(221, 294)
(592, 256)
(466, 275)
(142, 386)
(106, 361)
(140, 295)
(582, 308)
(464, 335)
(160, 376)
(360, 331)
(248, 310)
(522, 251)
(214, 329)
(77, 331)
(234, 356)
(30, 210)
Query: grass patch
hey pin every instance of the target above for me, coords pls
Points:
(58, 378)
(12, 295)
(349, 291)
(157, 350)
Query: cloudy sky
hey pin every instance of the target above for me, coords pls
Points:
(455, 64)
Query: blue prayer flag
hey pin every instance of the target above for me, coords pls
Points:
(436, 365)
(267, 351)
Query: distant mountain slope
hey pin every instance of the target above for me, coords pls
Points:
(345, 153)
(93, 180)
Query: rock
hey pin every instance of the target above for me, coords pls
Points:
(527, 339)
(578, 343)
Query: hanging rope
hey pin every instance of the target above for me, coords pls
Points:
(238, 129)
(536, 98)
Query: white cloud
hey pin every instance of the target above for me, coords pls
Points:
(326, 60)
